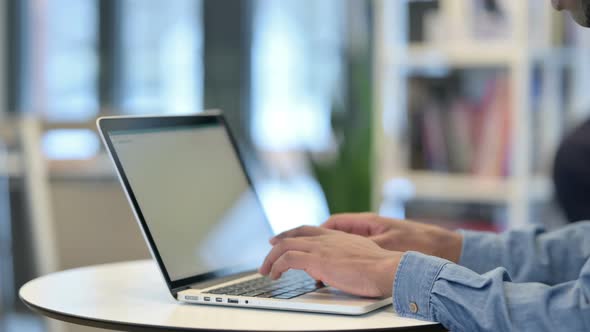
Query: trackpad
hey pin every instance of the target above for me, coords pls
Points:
(331, 294)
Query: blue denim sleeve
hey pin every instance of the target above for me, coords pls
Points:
(530, 255)
(434, 289)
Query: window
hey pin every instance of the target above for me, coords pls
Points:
(297, 65)
(61, 59)
(155, 66)
(161, 56)
(296, 68)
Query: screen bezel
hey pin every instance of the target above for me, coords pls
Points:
(109, 124)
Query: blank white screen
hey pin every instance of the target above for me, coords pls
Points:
(195, 198)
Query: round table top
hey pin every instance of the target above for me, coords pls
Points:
(133, 296)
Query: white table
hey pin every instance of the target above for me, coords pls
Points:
(132, 296)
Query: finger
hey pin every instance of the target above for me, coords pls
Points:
(296, 260)
(394, 241)
(299, 232)
(282, 246)
(382, 240)
(354, 223)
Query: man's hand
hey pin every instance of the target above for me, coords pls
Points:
(400, 235)
(348, 262)
(390, 234)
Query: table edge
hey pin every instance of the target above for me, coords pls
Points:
(127, 326)
(123, 326)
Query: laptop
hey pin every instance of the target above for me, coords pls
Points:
(201, 218)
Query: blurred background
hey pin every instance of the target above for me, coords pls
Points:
(446, 112)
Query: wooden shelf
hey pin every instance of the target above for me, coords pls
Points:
(99, 167)
(425, 56)
(467, 188)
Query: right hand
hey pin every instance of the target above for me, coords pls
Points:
(400, 235)
(351, 263)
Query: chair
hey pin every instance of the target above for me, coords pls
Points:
(74, 209)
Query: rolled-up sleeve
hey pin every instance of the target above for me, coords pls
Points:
(434, 289)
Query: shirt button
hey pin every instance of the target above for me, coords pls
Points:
(413, 307)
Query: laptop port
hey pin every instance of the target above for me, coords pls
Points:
(218, 299)
(207, 298)
(233, 301)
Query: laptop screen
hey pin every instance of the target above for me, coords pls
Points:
(195, 198)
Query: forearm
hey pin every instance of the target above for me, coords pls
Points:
(463, 300)
(530, 255)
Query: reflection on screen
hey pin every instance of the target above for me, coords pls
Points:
(195, 199)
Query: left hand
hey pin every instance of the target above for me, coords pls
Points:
(390, 234)
(351, 263)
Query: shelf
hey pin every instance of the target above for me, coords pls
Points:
(434, 56)
(464, 188)
(425, 56)
(99, 167)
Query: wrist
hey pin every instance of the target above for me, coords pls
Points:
(449, 245)
(387, 270)
(454, 247)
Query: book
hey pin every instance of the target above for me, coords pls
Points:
(493, 136)
(456, 131)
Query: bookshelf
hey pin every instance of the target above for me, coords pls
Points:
(466, 188)
(532, 60)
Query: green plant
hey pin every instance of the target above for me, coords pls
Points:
(346, 179)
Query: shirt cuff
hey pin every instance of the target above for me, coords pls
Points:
(414, 279)
(481, 251)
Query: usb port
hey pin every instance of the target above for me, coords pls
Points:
(207, 298)
(232, 301)
(218, 299)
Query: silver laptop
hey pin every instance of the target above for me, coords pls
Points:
(201, 217)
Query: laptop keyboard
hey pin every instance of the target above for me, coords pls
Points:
(293, 283)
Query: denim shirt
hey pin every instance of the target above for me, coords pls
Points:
(522, 280)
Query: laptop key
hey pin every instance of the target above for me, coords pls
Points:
(286, 296)
(293, 282)
(303, 290)
(253, 293)
(278, 292)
